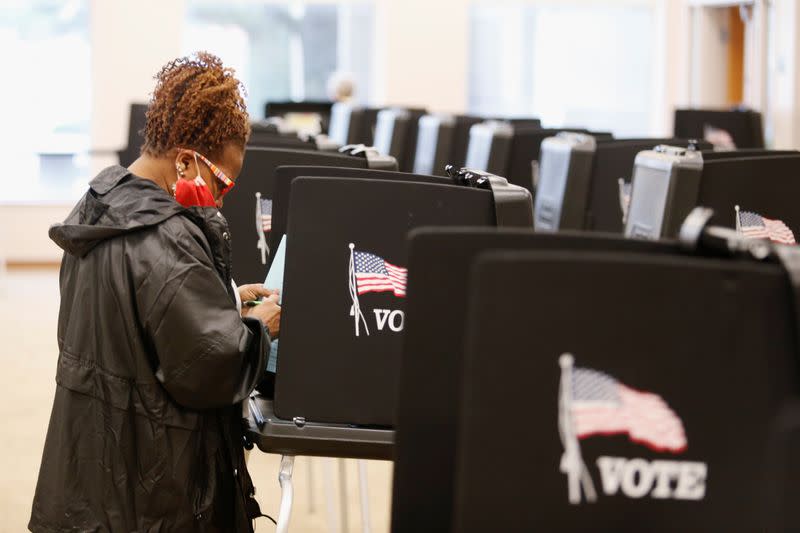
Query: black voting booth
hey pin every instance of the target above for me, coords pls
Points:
(613, 161)
(485, 455)
(281, 109)
(396, 131)
(717, 377)
(526, 150)
(444, 139)
(269, 135)
(136, 123)
(352, 124)
(489, 146)
(435, 139)
(249, 254)
(669, 182)
(339, 354)
(460, 139)
(744, 126)
(501, 148)
(354, 350)
(579, 180)
(324, 292)
(433, 360)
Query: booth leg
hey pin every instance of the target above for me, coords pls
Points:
(330, 495)
(363, 490)
(287, 493)
(343, 495)
(310, 474)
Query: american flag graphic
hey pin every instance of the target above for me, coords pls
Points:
(624, 197)
(374, 274)
(601, 405)
(266, 215)
(754, 226)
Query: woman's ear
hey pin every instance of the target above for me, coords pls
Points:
(182, 162)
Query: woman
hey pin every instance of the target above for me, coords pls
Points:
(154, 357)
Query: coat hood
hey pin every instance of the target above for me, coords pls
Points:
(116, 203)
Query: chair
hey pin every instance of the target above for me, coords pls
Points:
(432, 360)
(698, 349)
(743, 126)
(136, 125)
(670, 182)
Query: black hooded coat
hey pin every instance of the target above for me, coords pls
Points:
(154, 362)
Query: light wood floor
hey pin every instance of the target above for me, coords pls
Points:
(28, 314)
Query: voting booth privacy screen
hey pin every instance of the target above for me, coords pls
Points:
(248, 207)
(285, 175)
(137, 119)
(565, 170)
(432, 369)
(435, 138)
(660, 415)
(727, 129)
(643, 394)
(345, 288)
(612, 172)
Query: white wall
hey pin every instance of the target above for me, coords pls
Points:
(23, 232)
(422, 53)
(131, 40)
(129, 44)
(784, 70)
(709, 62)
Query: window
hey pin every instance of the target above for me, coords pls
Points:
(568, 63)
(286, 51)
(46, 98)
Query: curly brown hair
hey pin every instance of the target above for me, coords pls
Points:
(197, 104)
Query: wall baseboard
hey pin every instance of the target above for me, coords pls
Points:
(32, 265)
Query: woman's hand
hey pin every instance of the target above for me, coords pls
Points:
(269, 313)
(254, 291)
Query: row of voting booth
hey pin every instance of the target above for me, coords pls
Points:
(543, 329)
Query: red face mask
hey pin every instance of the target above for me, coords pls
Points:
(194, 193)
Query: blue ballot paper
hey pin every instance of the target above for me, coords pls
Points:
(275, 275)
(275, 281)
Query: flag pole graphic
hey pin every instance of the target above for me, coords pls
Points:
(355, 309)
(571, 461)
(262, 240)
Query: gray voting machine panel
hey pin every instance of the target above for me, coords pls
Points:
(489, 146)
(664, 190)
(564, 173)
(434, 143)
